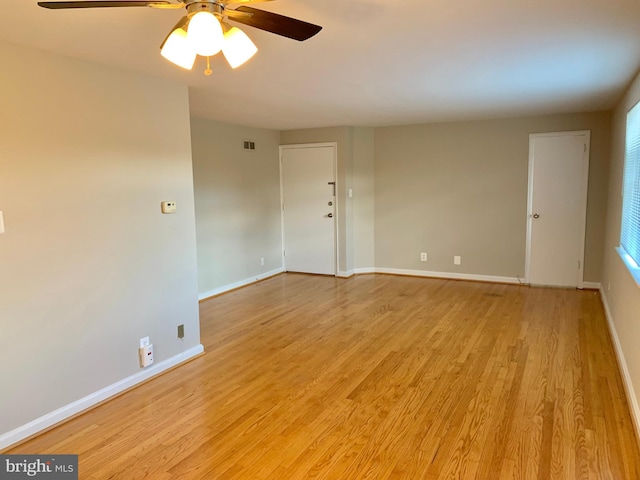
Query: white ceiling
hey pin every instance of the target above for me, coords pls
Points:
(375, 62)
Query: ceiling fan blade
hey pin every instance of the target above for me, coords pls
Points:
(103, 4)
(165, 6)
(278, 24)
(234, 14)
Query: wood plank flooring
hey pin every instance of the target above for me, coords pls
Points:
(374, 377)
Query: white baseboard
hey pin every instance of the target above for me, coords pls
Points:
(632, 399)
(347, 274)
(450, 275)
(241, 283)
(591, 285)
(392, 271)
(361, 271)
(63, 413)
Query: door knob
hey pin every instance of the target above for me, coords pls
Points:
(330, 215)
(535, 215)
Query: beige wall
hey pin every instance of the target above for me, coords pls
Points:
(237, 197)
(461, 189)
(363, 199)
(88, 264)
(621, 293)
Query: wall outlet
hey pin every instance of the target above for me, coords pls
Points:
(423, 257)
(262, 261)
(180, 331)
(456, 260)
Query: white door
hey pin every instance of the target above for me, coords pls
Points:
(558, 175)
(309, 209)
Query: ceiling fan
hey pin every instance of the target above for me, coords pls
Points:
(204, 29)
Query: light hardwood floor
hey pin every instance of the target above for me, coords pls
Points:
(374, 377)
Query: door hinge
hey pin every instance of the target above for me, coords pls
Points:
(585, 148)
(579, 264)
(284, 253)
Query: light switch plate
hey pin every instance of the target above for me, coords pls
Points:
(168, 207)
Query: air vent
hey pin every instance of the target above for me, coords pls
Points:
(248, 145)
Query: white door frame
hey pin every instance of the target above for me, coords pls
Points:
(336, 223)
(585, 190)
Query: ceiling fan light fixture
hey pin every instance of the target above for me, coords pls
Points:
(178, 50)
(237, 47)
(203, 30)
(205, 34)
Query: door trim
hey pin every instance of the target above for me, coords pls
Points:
(336, 223)
(585, 191)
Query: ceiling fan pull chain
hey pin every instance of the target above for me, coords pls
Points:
(208, 71)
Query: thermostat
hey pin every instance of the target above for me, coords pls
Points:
(168, 207)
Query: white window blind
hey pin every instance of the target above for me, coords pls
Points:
(630, 234)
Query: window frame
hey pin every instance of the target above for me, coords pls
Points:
(631, 194)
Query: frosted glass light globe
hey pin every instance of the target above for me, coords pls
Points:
(205, 34)
(237, 48)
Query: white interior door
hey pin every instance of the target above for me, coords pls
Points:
(309, 209)
(558, 175)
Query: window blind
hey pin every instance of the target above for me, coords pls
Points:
(630, 234)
